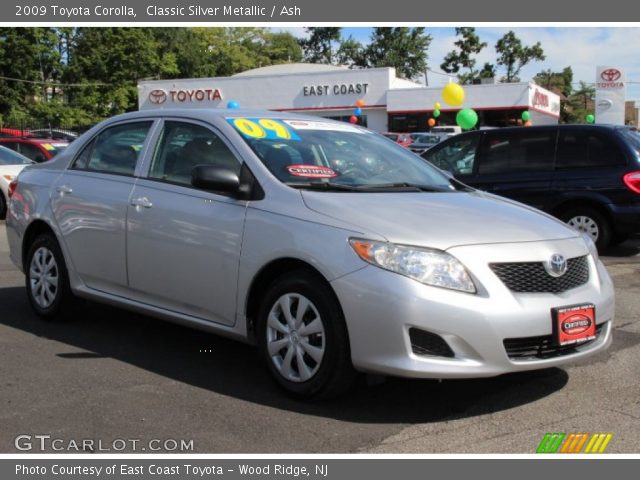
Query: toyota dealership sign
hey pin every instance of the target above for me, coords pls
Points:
(610, 95)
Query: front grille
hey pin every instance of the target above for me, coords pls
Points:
(531, 277)
(542, 347)
(429, 344)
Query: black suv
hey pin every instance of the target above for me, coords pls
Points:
(586, 175)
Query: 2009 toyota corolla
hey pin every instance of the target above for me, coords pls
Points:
(330, 247)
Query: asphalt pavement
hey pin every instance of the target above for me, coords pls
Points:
(111, 376)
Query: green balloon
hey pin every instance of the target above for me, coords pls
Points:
(436, 113)
(526, 116)
(467, 118)
(590, 118)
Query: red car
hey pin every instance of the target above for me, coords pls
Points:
(403, 139)
(37, 149)
(13, 132)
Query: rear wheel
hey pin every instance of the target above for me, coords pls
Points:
(47, 281)
(303, 337)
(590, 221)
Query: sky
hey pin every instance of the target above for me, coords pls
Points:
(582, 48)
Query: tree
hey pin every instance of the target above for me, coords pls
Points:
(581, 102)
(110, 61)
(467, 46)
(318, 48)
(558, 82)
(403, 48)
(350, 53)
(513, 55)
(281, 47)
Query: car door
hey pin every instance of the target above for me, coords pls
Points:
(517, 164)
(90, 201)
(183, 245)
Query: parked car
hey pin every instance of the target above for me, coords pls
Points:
(37, 149)
(55, 133)
(13, 132)
(422, 143)
(586, 175)
(448, 130)
(402, 139)
(331, 248)
(11, 163)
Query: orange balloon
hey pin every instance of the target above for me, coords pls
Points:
(359, 103)
(431, 122)
(528, 123)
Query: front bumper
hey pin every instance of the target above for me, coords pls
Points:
(380, 307)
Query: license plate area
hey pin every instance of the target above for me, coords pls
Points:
(574, 324)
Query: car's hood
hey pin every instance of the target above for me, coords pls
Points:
(438, 220)
(11, 169)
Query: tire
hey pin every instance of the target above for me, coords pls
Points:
(315, 365)
(592, 222)
(3, 207)
(47, 280)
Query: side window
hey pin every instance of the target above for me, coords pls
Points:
(584, 149)
(114, 150)
(12, 145)
(519, 151)
(184, 146)
(32, 152)
(456, 156)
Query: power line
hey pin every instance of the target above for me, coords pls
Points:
(53, 84)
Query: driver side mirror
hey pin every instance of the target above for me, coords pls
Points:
(216, 179)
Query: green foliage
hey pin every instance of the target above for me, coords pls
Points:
(319, 47)
(462, 57)
(513, 55)
(403, 48)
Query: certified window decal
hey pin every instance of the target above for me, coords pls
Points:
(311, 171)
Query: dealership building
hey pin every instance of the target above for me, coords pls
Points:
(391, 103)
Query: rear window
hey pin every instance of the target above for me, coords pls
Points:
(587, 149)
(522, 151)
(631, 136)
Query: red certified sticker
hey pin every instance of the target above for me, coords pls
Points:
(311, 171)
(574, 324)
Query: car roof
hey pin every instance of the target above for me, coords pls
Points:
(220, 113)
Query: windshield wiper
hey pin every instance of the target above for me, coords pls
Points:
(336, 187)
(406, 187)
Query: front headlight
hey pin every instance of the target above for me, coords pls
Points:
(428, 266)
(593, 250)
(9, 178)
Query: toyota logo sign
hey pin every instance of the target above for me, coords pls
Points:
(157, 97)
(610, 74)
(556, 266)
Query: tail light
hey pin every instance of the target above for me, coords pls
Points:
(632, 181)
(12, 188)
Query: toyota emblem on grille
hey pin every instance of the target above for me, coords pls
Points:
(556, 266)
(158, 97)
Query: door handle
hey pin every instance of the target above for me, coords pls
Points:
(64, 189)
(141, 202)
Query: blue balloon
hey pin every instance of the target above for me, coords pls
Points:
(357, 111)
(233, 104)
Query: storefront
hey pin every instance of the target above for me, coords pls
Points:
(391, 103)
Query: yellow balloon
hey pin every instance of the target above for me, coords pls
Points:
(453, 94)
(437, 106)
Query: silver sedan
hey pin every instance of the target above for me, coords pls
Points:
(331, 248)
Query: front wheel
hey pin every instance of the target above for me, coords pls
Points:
(590, 221)
(303, 337)
(47, 281)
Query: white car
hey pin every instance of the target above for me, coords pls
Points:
(11, 164)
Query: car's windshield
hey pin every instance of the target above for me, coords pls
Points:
(9, 157)
(428, 139)
(300, 153)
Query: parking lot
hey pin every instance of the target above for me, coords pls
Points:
(108, 374)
